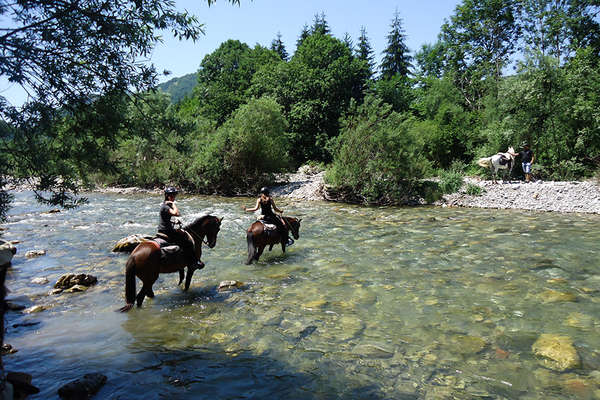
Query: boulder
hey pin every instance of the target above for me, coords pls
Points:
(7, 251)
(129, 243)
(82, 388)
(69, 280)
(556, 352)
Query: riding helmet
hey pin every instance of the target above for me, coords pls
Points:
(264, 190)
(170, 190)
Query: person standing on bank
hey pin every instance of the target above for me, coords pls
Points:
(169, 209)
(527, 158)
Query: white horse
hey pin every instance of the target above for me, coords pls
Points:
(499, 161)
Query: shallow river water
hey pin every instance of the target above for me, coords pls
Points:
(369, 303)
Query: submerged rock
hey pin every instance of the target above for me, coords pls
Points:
(464, 344)
(7, 349)
(130, 242)
(35, 253)
(229, 285)
(69, 280)
(39, 281)
(554, 296)
(556, 352)
(35, 309)
(82, 388)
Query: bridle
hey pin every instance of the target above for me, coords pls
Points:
(197, 237)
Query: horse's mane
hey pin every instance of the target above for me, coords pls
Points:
(198, 221)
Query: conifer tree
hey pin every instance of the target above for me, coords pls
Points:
(278, 47)
(364, 51)
(303, 35)
(396, 58)
(348, 42)
(320, 25)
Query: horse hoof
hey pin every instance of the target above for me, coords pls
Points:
(126, 308)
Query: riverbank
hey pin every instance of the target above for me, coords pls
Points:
(571, 197)
(578, 197)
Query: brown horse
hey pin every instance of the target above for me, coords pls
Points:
(258, 238)
(145, 260)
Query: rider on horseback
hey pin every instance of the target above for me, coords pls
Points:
(169, 209)
(267, 205)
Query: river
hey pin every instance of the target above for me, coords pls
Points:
(369, 303)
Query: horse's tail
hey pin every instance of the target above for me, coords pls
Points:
(251, 249)
(129, 284)
(485, 162)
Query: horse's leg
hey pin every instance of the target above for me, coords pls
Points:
(143, 292)
(271, 247)
(259, 252)
(181, 273)
(188, 277)
(283, 246)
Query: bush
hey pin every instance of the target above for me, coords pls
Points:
(474, 190)
(377, 157)
(240, 153)
(450, 182)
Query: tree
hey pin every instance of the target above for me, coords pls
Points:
(364, 51)
(348, 41)
(304, 33)
(278, 47)
(226, 74)
(314, 88)
(396, 58)
(430, 60)
(66, 54)
(320, 25)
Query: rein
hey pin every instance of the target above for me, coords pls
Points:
(196, 236)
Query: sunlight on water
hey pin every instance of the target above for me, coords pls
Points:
(368, 303)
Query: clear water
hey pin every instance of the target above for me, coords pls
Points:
(372, 303)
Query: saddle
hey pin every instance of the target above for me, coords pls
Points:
(169, 252)
(503, 159)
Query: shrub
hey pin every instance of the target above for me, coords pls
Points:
(450, 182)
(377, 157)
(474, 190)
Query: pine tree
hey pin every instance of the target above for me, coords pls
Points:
(303, 35)
(320, 25)
(364, 51)
(278, 47)
(348, 42)
(396, 58)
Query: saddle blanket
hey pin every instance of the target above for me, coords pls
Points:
(267, 226)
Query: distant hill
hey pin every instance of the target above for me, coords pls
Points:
(180, 87)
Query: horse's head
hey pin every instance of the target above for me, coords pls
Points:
(294, 224)
(511, 151)
(208, 226)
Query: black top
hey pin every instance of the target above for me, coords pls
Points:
(526, 156)
(265, 208)
(164, 219)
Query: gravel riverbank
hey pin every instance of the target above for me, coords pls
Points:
(578, 197)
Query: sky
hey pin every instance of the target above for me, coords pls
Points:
(259, 21)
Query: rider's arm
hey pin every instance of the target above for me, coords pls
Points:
(173, 210)
(275, 207)
(256, 207)
(532, 157)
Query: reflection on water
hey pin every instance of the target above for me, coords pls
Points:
(368, 303)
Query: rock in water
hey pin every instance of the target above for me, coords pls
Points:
(82, 388)
(556, 352)
(35, 253)
(130, 242)
(229, 285)
(69, 280)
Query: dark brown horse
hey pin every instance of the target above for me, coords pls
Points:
(257, 237)
(145, 260)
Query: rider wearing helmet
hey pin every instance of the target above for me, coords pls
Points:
(169, 209)
(267, 205)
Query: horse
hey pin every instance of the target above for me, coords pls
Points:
(145, 260)
(257, 237)
(499, 161)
